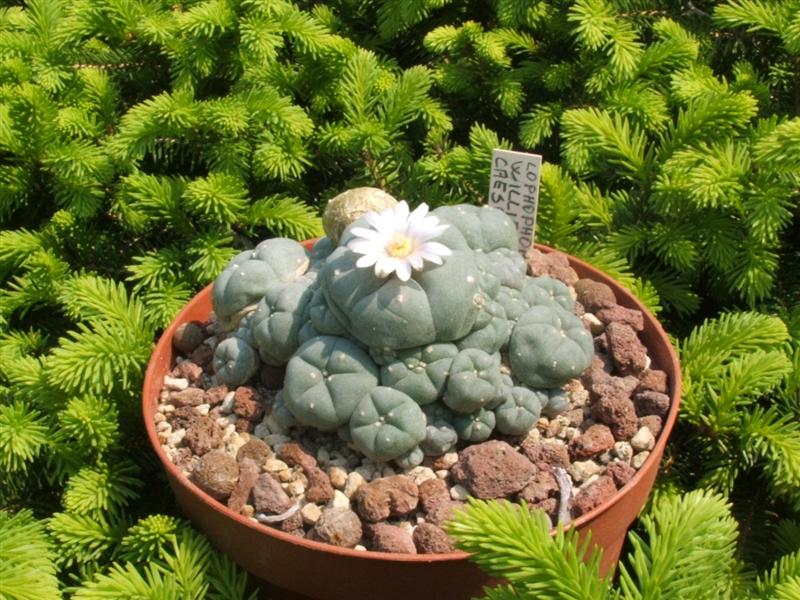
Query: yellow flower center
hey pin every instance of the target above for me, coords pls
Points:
(400, 246)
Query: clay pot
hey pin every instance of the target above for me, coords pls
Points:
(304, 568)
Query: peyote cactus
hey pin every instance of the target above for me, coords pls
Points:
(404, 332)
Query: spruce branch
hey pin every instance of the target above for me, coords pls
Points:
(23, 436)
(27, 560)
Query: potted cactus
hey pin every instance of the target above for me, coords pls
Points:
(417, 348)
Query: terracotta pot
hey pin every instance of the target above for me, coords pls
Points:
(304, 568)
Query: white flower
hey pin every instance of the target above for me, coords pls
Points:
(399, 241)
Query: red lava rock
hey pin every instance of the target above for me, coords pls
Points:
(433, 492)
(594, 295)
(292, 524)
(599, 372)
(438, 463)
(653, 422)
(272, 377)
(651, 403)
(189, 370)
(183, 459)
(216, 474)
(430, 539)
(202, 355)
(269, 497)
(203, 435)
(247, 404)
(575, 416)
(593, 495)
(620, 314)
(319, 490)
(390, 538)
(188, 336)
(620, 472)
(551, 264)
(216, 394)
(293, 454)
(393, 496)
(492, 469)
(654, 380)
(183, 417)
(619, 413)
(442, 512)
(541, 487)
(256, 450)
(628, 353)
(595, 440)
(189, 397)
(248, 475)
(338, 526)
(244, 426)
(546, 453)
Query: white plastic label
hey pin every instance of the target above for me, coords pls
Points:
(514, 189)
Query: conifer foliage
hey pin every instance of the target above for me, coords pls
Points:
(143, 143)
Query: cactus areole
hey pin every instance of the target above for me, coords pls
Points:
(410, 331)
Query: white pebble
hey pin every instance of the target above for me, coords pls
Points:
(227, 404)
(449, 459)
(175, 384)
(261, 431)
(339, 500)
(166, 408)
(323, 457)
(235, 442)
(459, 492)
(163, 439)
(569, 433)
(354, 481)
(590, 481)
(277, 440)
(388, 472)
(638, 460)
(232, 419)
(407, 526)
(296, 488)
(311, 513)
(338, 459)
(176, 437)
(624, 451)
(159, 418)
(442, 473)
(421, 474)
(360, 548)
(581, 470)
(338, 477)
(274, 465)
(596, 326)
(286, 475)
(365, 472)
(163, 426)
(203, 409)
(643, 440)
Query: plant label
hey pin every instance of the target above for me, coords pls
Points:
(514, 189)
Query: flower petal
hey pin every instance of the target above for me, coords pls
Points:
(403, 270)
(436, 248)
(364, 246)
(368, 234)
(416, 261)
(367, 260)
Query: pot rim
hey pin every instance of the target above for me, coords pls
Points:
(150, 404)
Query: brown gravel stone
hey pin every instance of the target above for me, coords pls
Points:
(653, 422)
(620, 314)
(393, 496)
(203, 435)
(189, 370)
(654, 380)
(245, 426)
(433, 492)
(618, 413)
(293, 454)
(551, 264)
(492, 469)
(247, 404)
(443, 511)
(319, 490)
(256, 450)
(651, 403)
(595, 440)
(430, 539)
(269, 497)
(338, 526)
(189, 397)
(575, 416)
(390, 538)
(594, 295)
(216, 474)
(215, 395)
(593, 495)
(183, 417)
(293, 524)
(546, 452)
(202, 355)
(620, 472)
(248, 474)
(628, 353)
(188, 336)
(183, 459)
(541, 487)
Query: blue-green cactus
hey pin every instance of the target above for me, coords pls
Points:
(508, 266)
(554, 401)
(244, 280)
(278, 318)
(410, 459)
(235, 361)
(475, 381)
(280, 414)
(322, 317)
(484, 228)
(549, 346)
(325, 379)
(438, 304)
(491, 330)
(476, 426)
(489, 282)
(519, 411)
(512, 301)
(420, 372)
(546, 291)
(387, 424)
(440, 435)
